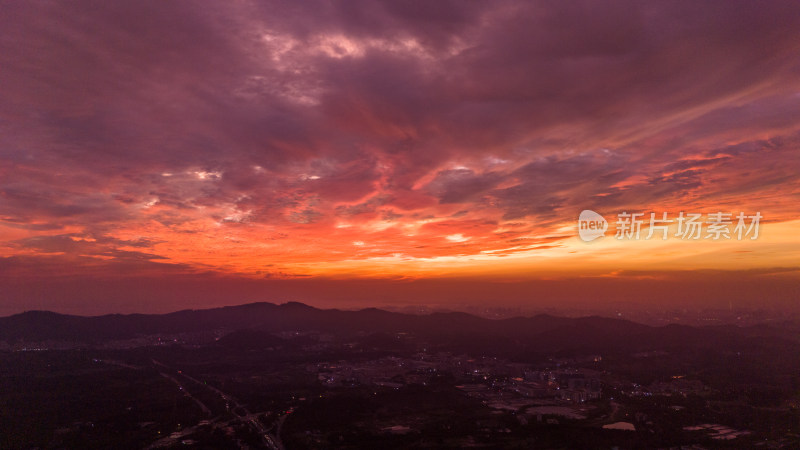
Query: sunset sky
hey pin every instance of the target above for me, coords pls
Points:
(157, 155)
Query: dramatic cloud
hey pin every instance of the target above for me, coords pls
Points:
(385, 139)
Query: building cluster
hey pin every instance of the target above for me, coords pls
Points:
(498, 382)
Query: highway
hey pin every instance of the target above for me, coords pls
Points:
(272, 441)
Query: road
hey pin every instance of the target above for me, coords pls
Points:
(271, 441)
(202, 406)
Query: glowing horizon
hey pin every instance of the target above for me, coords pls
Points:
(368, 142)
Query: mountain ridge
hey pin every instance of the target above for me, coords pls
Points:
(539, 331)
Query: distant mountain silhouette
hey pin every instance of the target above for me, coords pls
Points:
(455, 329)
(41, 325)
